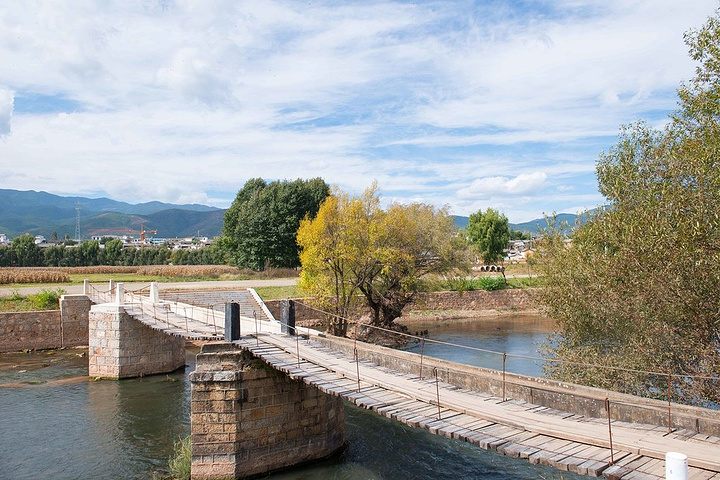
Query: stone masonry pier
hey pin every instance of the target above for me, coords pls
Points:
(250, 419)
(122, 347)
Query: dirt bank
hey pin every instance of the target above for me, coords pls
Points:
(455, 315)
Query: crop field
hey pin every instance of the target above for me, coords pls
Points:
(159, 273)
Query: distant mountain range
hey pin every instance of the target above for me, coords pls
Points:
(42, 213)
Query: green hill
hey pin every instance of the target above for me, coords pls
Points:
(42, 213)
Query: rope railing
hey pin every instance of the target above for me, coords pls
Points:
(140, 288)
(185, 317)
(504, 355)
(515, 355)
(100, 296)
(172, 316)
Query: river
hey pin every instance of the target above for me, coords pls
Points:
(55, 423)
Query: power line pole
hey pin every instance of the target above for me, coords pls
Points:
(77, 221)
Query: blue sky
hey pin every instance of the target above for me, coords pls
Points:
(470, 105)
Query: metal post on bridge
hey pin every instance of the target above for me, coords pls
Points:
(232, 322)
(287, 317)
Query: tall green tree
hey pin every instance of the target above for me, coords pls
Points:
(6, 256)
(260, 227)
(489, 231)
(54, 255)
(110, 255)
(89, 252)
(26, 253)
(639, 288)
(353, 247)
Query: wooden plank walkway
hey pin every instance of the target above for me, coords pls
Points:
(513, 428)
(189, 321)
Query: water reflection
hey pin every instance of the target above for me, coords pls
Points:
(144, 415)
(514, 335)
(56, 423)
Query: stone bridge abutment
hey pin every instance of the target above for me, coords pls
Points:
(250, 419)
(119, 346)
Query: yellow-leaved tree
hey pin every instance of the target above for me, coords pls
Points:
(354, 250)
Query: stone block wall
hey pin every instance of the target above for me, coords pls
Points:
(29, 330)
(249, 419)
(122, 347)
(67, 327)
(511, 299)
(74, 314)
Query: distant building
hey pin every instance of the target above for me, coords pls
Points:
(4, 240)
(39, 239)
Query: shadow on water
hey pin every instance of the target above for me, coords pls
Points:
(57, 423)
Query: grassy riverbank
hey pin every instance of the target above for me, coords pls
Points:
(43, 300)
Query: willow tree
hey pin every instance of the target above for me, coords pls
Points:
(354, 249)
(639, 288)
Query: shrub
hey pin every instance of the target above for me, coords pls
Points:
(490, 283)
(47, 299)
(179, 461)
(469, 284)
(459, 284)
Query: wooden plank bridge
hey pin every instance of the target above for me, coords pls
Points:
(515, 428)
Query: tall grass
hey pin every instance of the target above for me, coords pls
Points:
(14, 275)
(47, 299)
(98, 269)
(32, 275)
(188, 271)
(470, 284)
(180, 460)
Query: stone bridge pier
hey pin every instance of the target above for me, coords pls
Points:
(120, 346)
(249, 419)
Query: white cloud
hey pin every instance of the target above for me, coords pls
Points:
(191, 74)
(6, 111)
(185, 101)
(522, 184)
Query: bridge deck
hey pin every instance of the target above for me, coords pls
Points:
(191, 321)
(518, 429)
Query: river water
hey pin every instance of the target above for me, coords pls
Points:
(518, 336)
(55, 423)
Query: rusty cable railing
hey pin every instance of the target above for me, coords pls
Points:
(505, 356)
